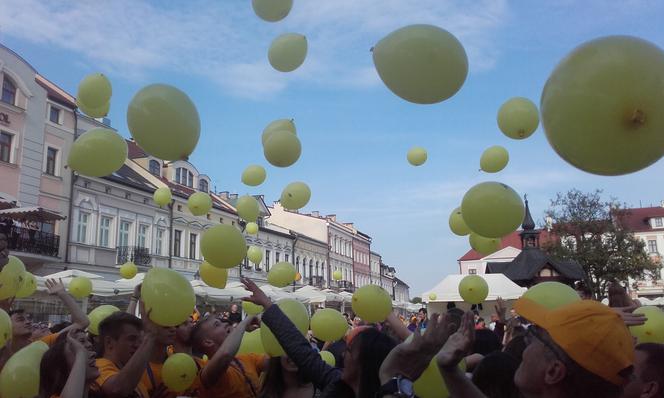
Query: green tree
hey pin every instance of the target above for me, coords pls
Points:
(416, 300)
(590, 231)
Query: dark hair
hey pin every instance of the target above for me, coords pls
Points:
(16, 311)
(273, 386)
(422, 310)
(112, 326)
(486, 342)
(57, 328)
(196, 337)
(494, 375)
(652, 371)
(53, 375)
(516, 347)
(374, 347)
(456, 314)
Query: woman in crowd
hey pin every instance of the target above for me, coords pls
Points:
(283, 379)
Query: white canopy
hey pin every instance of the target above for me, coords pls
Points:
(499, 286)
(72, 273)
(310, 294)
(232, 291)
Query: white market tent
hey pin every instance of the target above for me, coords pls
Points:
(310, 294)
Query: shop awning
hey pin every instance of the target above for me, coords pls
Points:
(33, 213)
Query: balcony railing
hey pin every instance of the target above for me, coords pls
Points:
(317, 281)
(136, 254)
(32, 241)
(346, 285)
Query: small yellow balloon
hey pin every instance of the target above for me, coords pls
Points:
(19, 377)
(492, 209)
(297, 313)
(518, 118)
(251, 228)
(96, 112)
(94, 91)
(494, 159)
(272, 10)
(653, 330)
(278, 125)
(80, 287)
(11, 277)
(417, 156)
(28, 286)
(247, 208)
(372, 303)
(431, 384)
(432, 297)
(199, 203)
(295, 196)
(164, 122)
(457, 225)
(255, 254)
(251, 308)
(213, 276)
(223, 246)
(552, 295)
(254, 175)
(483, 245)
(128, 270)
(99, 314)
(162, 196)
(281, 274)
(168, 296)
(337, 275)
(328, 324)
(5, 328)
(179, 372)
(282, 149)
(251, 343)
(98, 152)
(298, 277)
(328, 358)
(473, 289)
(287, 52)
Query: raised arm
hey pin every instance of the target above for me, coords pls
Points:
(78, 318)
(398, 327)
(221, 359)
(79, 357)
(133, 301)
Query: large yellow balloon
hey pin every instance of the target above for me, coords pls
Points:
(423, 64)
(372, 303)
(11, 277)
(251, 343)
(97, 112)
(494, 159)
(199, 203)
(272, 10)
(251, 308)
(492, 209)
(223, 246)
(278, 125)
(28, 286)
(19, 377)
(251, 228)
(431, 383)
(5, 328)
(518, 118)
(328, 358)
(297, 313)
(255, 254)
(295, 196)
(281, 274)
(80, 287)
(601, 106)
(653, 330)
(247, 208)
(328, 324)
(98, 152)
(282, 149)
(164, 122)
(179, 372)
(417, 156)
(287, 52)
(473, 289)
(483, 245)
(552, 294)
(337, 275)
(94, 90)
(128, 270)
(162, 196)
(99, 314)
(253, 175)
(457, 225)
(168, 296)
(213, 276)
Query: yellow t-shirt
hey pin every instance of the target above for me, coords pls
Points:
(239, 381)
(108, 369)
(151, 380)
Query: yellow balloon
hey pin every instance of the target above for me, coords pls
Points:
(492, 209)
(653, 330)
(98, 152)
(255, 254)
(297, 313)
(223, 246)
(337, 275)
(295, 196)
(251, 228)
(213, 276)
(431, 383)
(278, 125)
(164, 122)
(287, 52)
(96, 112)
(483, 245)
(518, 118)
(19, 377)
(494, 159)
(253, 175)
(247, 208)
(473, 289)
(251, 308)
(282, 149)
(281, 274)
(11, 277)
(423, 64)
(5, 328)
(179, 372)
(328, 358)
(99, 314)
(251, 343)
(328, 324)
(128, 270)
(94, 90)
(417, 156)
(552, 294)
(168, 296)
(372, 303)
(80, 287)
(272, 10)
(199, 203)
(432, 297)
(162, 196)
(457, 225)
(28, 286)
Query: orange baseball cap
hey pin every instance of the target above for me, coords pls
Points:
(591, 333)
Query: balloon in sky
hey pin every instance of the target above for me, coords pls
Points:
(423, 64)
(128, 270)
(337, 275)
(653, 330)
(272, 10)
(432, 296)
(552, 294)
(28, 286)
(328, 358)
(417, 156)
(251, 228)
(494, 159)
(179, 372)
(19, 377)
(98, 152)
(282, 149)
(251, 343)
(328, 324)
(295, 196)
(297, 313)
(5, 328)
(457, 225)
(287, 52)
(253, 175)
(473, 289)
(483, 245)
(99, 314)
(247, 208)
(278, 125)
(164, 122)
(372, 303)
(80, 287)
(94, 91)
(213, 276)
(97, 112)
(518, 118)
(223, 246)
(601, 106)
(492, 209)
(162, 196)
(168, 296)
(251, 308)
(199, 203)
(281, 274)
(255, 254)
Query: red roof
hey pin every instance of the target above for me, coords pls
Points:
(511, 240)
(135, 151)
(637, 220)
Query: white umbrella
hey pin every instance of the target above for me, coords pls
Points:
(230, 292)
(72, 273)
(311, 294)
(332, 296)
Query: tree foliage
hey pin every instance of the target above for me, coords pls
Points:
(590, 231)
(416, 300)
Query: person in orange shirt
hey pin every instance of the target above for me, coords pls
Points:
(226, 375)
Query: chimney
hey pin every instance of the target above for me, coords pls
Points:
(332, 217)
(661, 203)
(233, 196)
(223, 194)
(315, 213)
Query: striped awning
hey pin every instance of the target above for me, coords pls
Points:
(7, 201)
(33, 213)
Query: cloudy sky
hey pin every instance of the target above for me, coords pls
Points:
(354, 131)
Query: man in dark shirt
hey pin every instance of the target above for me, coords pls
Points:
(234, 317)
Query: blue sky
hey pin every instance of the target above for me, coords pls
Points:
(354, 131)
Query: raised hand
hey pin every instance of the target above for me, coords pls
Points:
(257, 295)
(459, 344)
(500, 309)
(629, 317)
(55, 287)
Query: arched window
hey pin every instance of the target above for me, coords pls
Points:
(203, 185)
(155, 168)
(8, 91)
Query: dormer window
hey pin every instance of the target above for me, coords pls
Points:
(657, 222)
(155, 168)
(8, 91)
(203, 185)
(184, 177)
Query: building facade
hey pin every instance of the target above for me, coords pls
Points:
(375, 261)
(311, 260)
(361, 258)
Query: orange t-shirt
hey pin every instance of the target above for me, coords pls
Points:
(107, 369)
(238, 380)
(150, 383)
(49, 339)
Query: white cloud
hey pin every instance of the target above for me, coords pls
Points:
(225, 42)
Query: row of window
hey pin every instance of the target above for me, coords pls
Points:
(343, 247)
(51, 160)
(658, 222)
(361, 257)
(8, 91)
